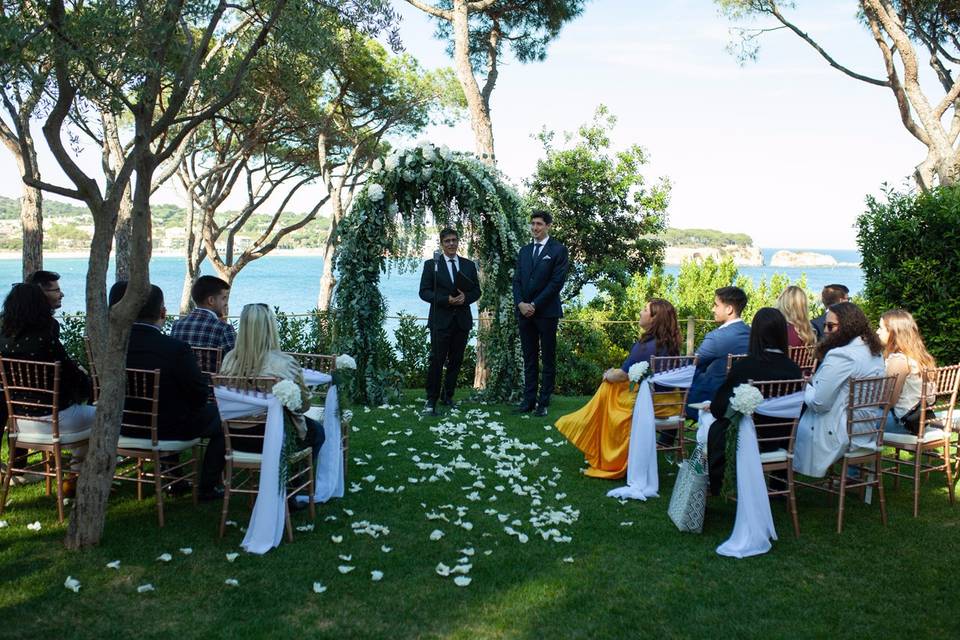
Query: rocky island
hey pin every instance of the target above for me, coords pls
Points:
(802, 259)
(700, 244)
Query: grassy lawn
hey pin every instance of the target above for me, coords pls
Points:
(626, 572)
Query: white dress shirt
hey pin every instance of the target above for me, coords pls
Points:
(456, 261)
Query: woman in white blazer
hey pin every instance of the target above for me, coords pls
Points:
(849, 349)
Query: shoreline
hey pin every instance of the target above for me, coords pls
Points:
(157, 253)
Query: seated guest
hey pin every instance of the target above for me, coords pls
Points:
(849, 349)
(601, 429)
(792, 303)
(832, 294)
(206, 325)
(258, 354)
(731, 337)
(905, 356)
(49, 281)
(767, 359)
(183, 410)
(29, 332)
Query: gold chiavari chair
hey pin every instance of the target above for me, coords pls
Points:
(670, 406)
(806, 359)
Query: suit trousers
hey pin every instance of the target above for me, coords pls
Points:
(538, 340)
(446, 348)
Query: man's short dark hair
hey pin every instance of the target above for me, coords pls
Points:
(206, 286)
(543, 215)
(43, 278)
(834, 293)
(151, 310)
(447, 232)
(733, 296)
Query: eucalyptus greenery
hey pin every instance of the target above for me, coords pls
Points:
(389, 219)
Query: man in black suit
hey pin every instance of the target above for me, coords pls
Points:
(183, 410)
(450, 284)
(541, 270)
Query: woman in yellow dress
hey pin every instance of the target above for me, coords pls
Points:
(601, 429)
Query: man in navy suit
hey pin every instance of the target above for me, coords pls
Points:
(731, 337)
(450, 318)
(541, 270)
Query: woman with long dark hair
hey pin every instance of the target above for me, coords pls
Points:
(601, 428)
(767, 359)
(29, 332)
(849, 349)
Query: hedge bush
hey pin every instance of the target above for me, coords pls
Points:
(911, 260)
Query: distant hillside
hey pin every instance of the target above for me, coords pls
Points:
(67, 226)
(704, 238)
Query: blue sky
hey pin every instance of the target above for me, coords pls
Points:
(784, 149)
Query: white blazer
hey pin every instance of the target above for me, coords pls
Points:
(822, 431)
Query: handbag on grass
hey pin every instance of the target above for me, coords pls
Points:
(689, 499)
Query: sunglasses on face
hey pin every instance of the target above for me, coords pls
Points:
(831, 326)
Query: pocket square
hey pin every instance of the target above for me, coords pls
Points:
(545, 257)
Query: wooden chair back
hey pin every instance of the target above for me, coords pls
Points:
(733, 357)
(209, 359)
(874, 393)
(661, 399)
(806, 358)
(939, 396)
(142, 405)
(31, 390)
(317, 362)
(245, 433)
(778, 433)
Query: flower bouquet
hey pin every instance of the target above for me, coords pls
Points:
(746, 398)
(638, 372)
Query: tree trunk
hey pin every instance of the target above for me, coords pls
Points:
(109, 331)
(31, 224)
(327, 279)
(479, 112)
(123, 234)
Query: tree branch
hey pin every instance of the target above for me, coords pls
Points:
(432, 10)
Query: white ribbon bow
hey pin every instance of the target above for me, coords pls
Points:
(642, 479)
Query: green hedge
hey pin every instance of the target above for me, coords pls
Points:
(911, 260)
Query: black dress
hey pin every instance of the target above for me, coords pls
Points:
(773, 365)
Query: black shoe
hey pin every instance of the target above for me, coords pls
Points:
(523, 408)
(430, 410)
(541, 412)
(182, 488)
(448, 402)
(295, 505)
(212, 494)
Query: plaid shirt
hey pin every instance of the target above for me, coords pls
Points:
(202, 328)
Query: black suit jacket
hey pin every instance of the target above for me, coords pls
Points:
(436, 287)
(183, 389)
(776, 366)
(540, 282)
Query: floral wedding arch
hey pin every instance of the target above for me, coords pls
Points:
(389, 220)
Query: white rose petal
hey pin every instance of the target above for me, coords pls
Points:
(462, 568)
(385, 548)
(568, 559)
(345, 558)
(376, 576)
(34, 526)
(462, 581)
(345, 569)
(436, 534)
(318, 587)
(164, 557)
(336, 539)
(230, 523)
(349, 512)
(144, 588)
(231, 582)
(232, 556)
(186, 550)
(4, 524)
(442, 569)
(72, 583)
(114, 565)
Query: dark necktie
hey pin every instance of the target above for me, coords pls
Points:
(453, 269)
(536, 251)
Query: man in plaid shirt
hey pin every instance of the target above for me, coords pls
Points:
(204, 326)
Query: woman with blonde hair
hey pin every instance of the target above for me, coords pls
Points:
(257, 353)
(905, 356)
(601, 428)
(793, 304)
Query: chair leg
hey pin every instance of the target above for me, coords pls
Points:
(948, 470)
(139, 478)
(227, 481)
(46, 469)
(196, 476)
(58, 470)
(917, 466)
(158, 486)
(286, 517)
(878, 476)
(792, 501)
(896, 466)
(842, 496)
(7, 474)
(312, 509)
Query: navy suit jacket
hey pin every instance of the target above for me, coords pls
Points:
(712, 360)
(540, 282)
(436, 286)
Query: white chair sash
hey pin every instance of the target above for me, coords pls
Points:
(753, 529)
(329, 478)
(265, 529)
(642, 479)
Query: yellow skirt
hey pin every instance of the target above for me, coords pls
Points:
(601, 429)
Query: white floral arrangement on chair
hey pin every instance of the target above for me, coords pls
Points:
(346, 361)
(288, 393)
(638, 371)
(745, 400)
